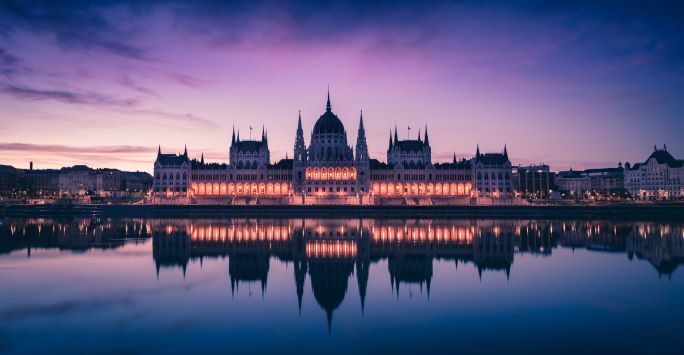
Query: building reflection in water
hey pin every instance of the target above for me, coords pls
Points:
(74, 235)
(331, 251)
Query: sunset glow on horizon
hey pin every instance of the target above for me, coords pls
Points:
(569, 85)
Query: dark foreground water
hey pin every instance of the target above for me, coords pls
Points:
(340, 286)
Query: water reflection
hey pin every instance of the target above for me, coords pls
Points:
(75, 235)
(331, 251)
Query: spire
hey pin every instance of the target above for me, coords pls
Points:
(299, 121)
(185, 152)
(159, 151)
(454, 157)
(419, 134)
(232, 141)
(361, 146)
(477, 152)
(202, 159)
(328, 107)
(396, 138)
(238, 136)
(361, 122)
(427, 141)
(505, 153)
(390, 141)
(263, 133)
(328, 315)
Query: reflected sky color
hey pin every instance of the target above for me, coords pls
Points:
(569, 84)
(162, 285)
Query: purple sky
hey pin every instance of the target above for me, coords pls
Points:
(577, 85)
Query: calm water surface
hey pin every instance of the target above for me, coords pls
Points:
(340, 285)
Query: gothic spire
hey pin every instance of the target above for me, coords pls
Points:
(232, 141)
(361, 147)
(396, 137)
(419, 134)
(328, 107)
(202, 158)
(263, 133)
(454, 158)
(427, 141)
(299, 122)
(505, 153)
(477, 152)
(185, 152)
(238, 136)
(390, 140)
(159, 151)
(361, 122)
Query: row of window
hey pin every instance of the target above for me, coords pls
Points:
(501, 176)
(330, 189)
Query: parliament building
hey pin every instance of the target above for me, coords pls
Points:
(332, 172)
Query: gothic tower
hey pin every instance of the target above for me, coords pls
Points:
(362, 160)
(299, 161)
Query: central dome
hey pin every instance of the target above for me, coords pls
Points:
(328, 122)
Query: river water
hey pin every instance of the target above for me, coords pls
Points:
(98, 285)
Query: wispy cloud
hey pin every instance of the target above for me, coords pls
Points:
(53, 148)
(189, 81)
(73, 26)
(130, 107)
(72, 97)
(127, 82)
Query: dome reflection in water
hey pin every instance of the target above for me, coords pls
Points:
(321, 281)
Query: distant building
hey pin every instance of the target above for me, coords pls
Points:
(660, 177)
(534, 181)
(75, 181)
(598, 182)
(573, 182)
(79, 180)
(40, 182)
(9, 180)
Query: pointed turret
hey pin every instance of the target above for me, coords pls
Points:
(454, 158)
(159, 151)
(202, 158)
(238, 136)
(477, 152)
(390, 140)
(232, 141)
(299, 146)
(505, 153)
(328, 107)
(396, 137)
(427, 140)
(263, 133)
(361, 122)
(361, 146)
(185, 152)
(419, 135)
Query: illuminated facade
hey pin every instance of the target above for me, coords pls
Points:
(660, 177)
(330, 171)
